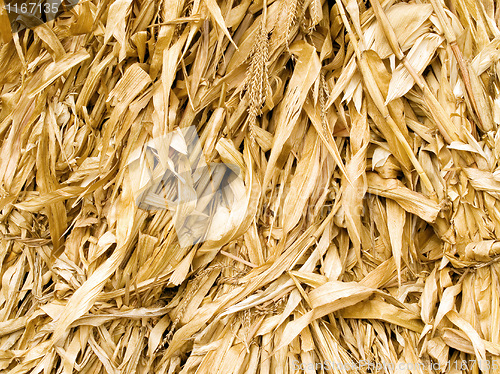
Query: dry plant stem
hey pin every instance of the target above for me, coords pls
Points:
(376, 95)
(289, 227)
(450, 133)
(450, 37)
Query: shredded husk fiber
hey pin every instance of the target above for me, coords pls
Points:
(365, 222)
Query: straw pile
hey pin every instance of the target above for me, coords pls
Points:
(364, 232)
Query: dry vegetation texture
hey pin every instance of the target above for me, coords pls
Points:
(365, 225)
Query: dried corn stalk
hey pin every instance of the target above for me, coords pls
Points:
(251, 187)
